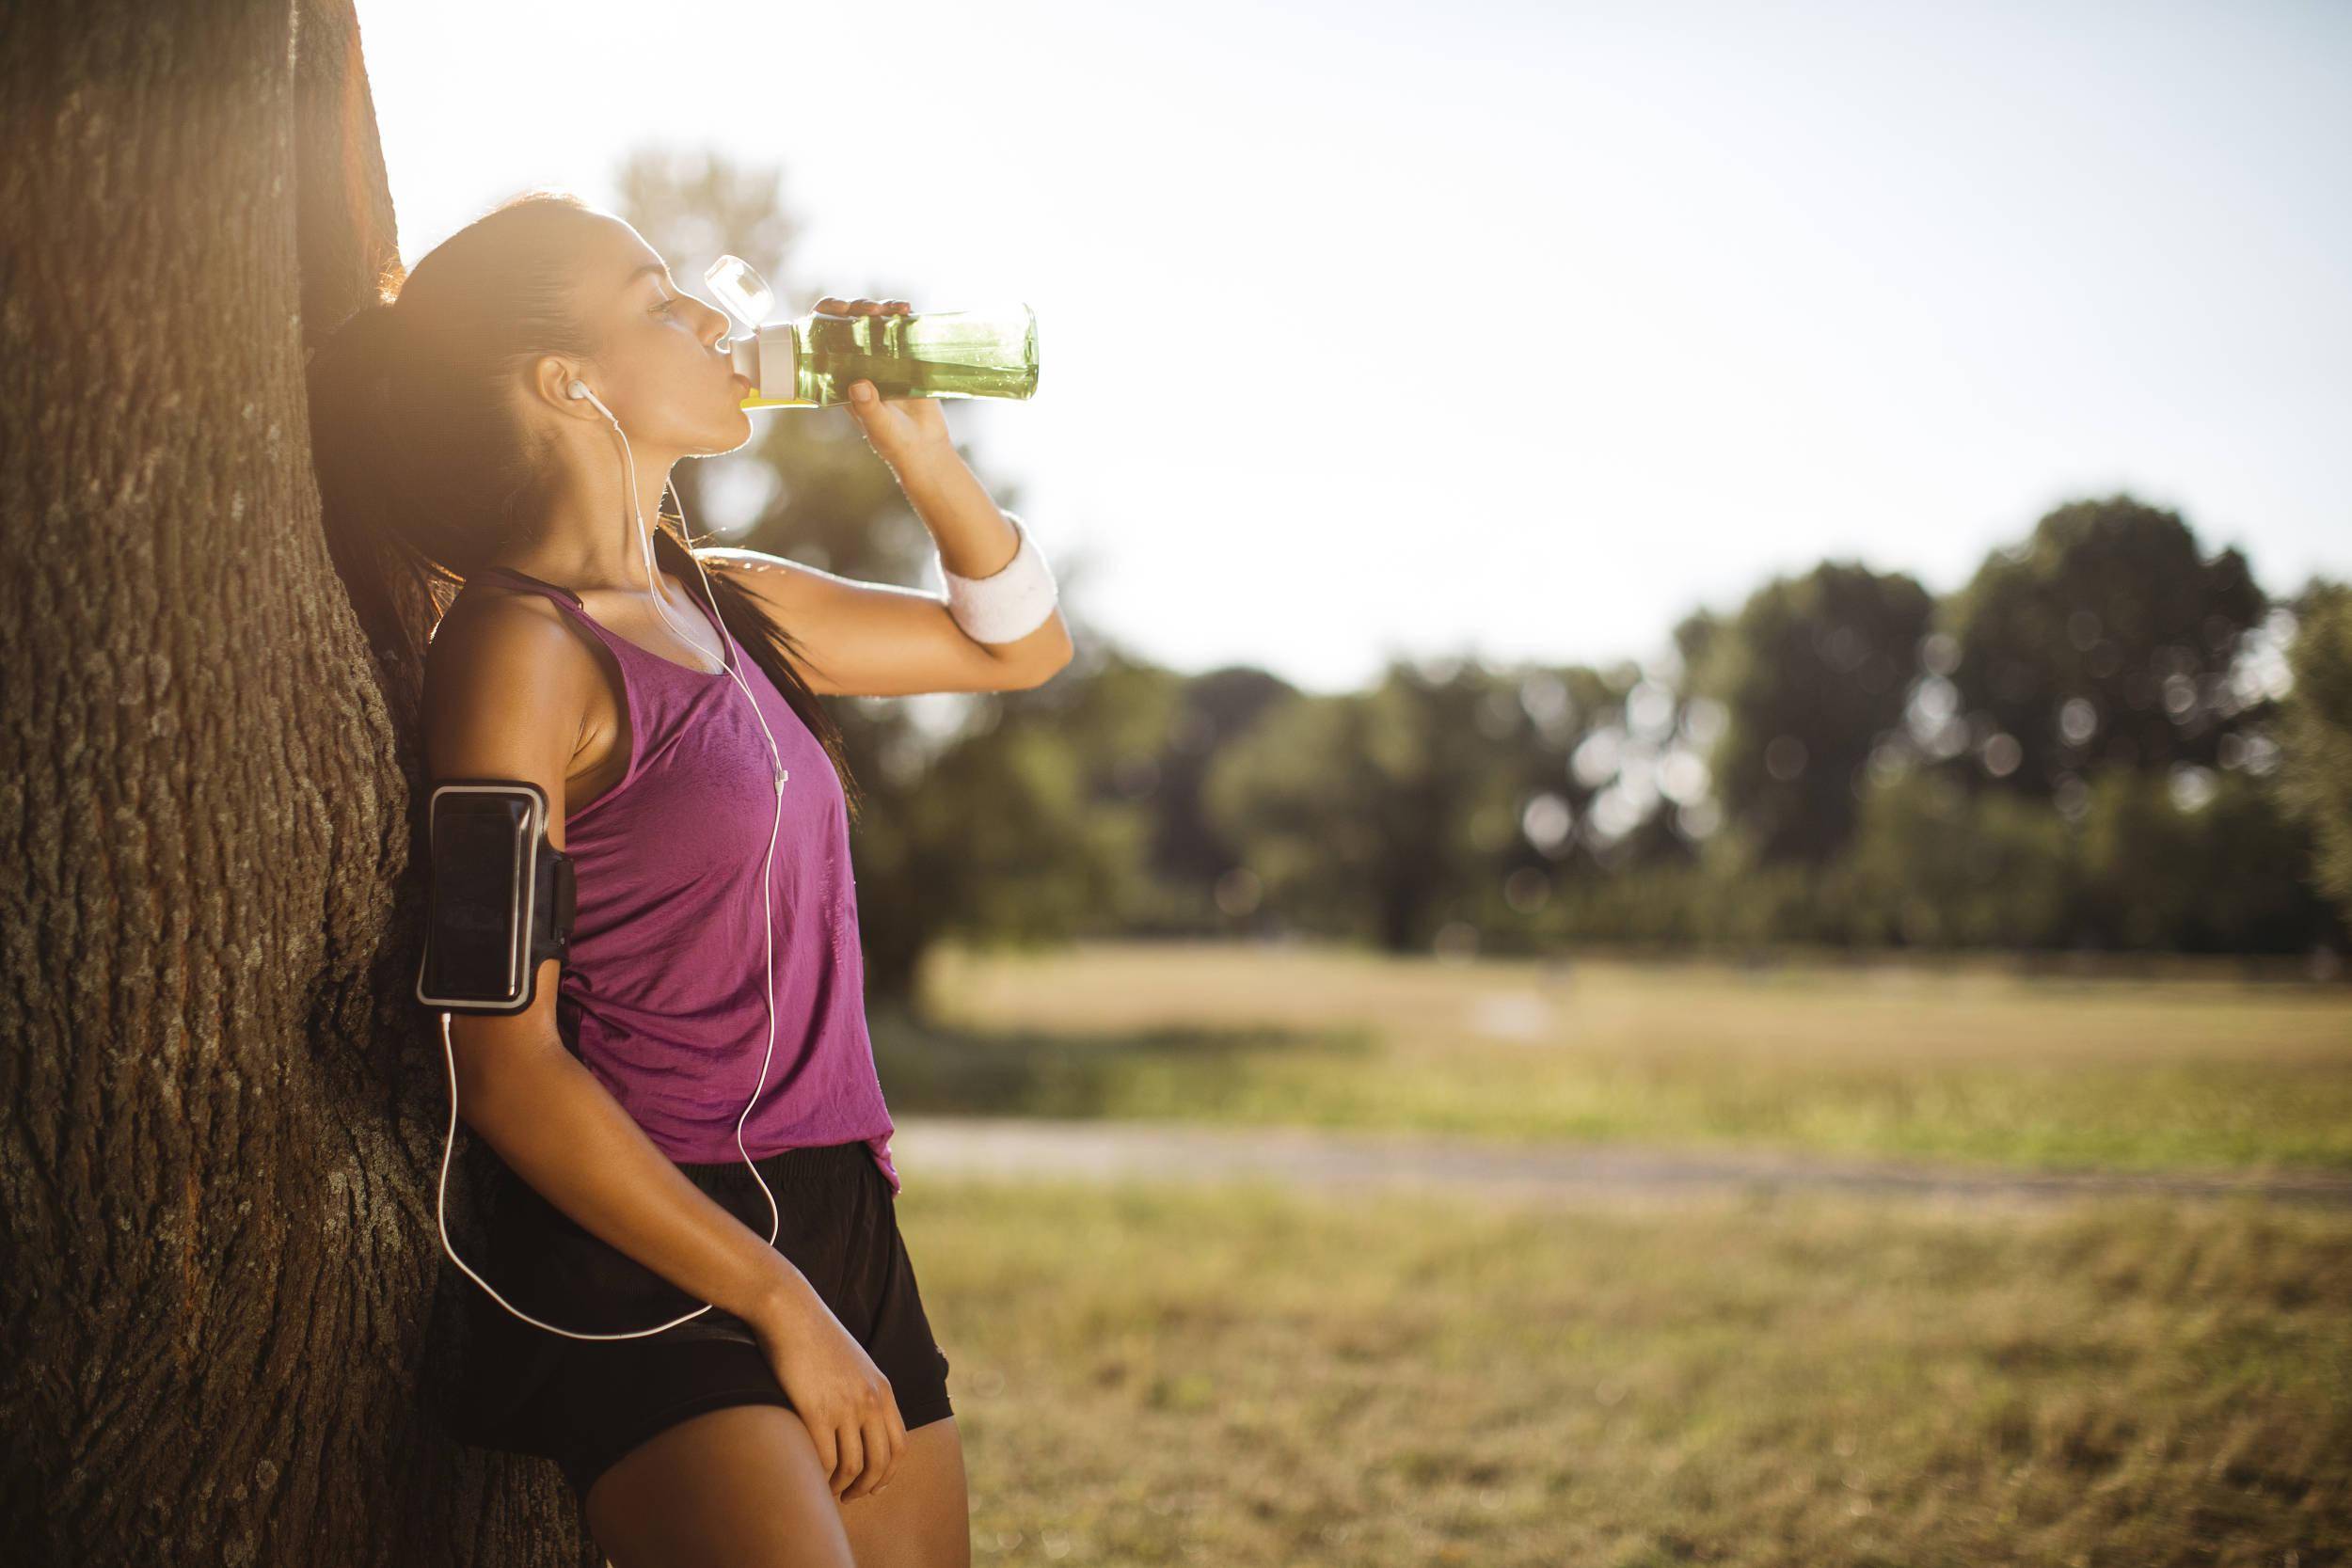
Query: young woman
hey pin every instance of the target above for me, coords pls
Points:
(484, 422)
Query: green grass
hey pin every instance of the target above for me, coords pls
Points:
(1242, 1376)
(1973, 1064)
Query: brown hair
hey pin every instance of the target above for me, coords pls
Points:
(427, 471)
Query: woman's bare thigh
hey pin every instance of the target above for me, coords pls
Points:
(923, 1518)
(737, 1487)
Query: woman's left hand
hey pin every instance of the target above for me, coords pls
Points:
(899, 429)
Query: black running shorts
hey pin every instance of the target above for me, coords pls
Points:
(586, 1402)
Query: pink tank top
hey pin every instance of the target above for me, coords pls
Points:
(661, 997)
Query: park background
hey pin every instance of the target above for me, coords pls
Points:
(1688, 900)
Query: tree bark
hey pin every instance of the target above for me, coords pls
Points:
(221, 1110)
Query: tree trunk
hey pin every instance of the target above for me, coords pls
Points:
(221, 1110)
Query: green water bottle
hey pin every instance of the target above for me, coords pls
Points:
(812, 362)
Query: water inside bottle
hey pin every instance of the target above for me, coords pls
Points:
(907, 357)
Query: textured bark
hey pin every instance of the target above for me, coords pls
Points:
(220, 1111)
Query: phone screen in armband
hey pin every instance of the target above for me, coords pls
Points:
(500, 896)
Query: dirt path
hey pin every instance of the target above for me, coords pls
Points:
(1349, 1160)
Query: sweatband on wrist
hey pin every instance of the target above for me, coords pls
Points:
(1009, 603)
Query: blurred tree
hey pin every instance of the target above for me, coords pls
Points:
(1934, 866)
(1023, 825)
(1613, 798)
(1810, 672)
(1564, 735)
(1373, 815)
(1189, 857)
(2105, 640)
(2316, 734)
(1292, 795)
(2198, 861)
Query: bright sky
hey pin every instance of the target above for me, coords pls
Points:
(1514, 329)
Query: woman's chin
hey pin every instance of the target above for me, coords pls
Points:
(732, 436)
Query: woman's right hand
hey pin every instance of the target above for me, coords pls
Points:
(842, 1397)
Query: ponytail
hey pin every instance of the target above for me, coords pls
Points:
(351, 410)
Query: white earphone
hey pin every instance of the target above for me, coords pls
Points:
(578, 389)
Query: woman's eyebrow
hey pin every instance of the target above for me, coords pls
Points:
(641, 269)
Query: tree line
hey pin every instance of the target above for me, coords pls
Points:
(2106, 739)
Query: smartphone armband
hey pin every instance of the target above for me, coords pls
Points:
(502, 900)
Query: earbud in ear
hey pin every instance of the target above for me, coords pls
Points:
(578, 389)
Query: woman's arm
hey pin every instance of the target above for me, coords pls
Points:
(559, 1129)
(878, 640)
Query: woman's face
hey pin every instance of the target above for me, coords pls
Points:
(661, 369)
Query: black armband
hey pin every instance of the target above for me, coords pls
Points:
(503, 896)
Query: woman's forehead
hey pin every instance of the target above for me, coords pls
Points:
(619, 259)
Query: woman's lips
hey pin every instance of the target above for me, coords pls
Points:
(738, 376)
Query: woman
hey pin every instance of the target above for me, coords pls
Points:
(507, 418)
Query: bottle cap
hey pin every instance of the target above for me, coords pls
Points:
(741, 288)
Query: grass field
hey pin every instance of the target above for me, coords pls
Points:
(1249, 1377)
(1971, 1063)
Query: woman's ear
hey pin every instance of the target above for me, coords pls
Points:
(551, 382)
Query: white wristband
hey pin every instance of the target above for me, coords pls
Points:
(1009, 604)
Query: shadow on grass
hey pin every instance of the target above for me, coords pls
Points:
(930, 1071)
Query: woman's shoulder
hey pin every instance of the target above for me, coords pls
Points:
(502, 646)
(499, 611)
